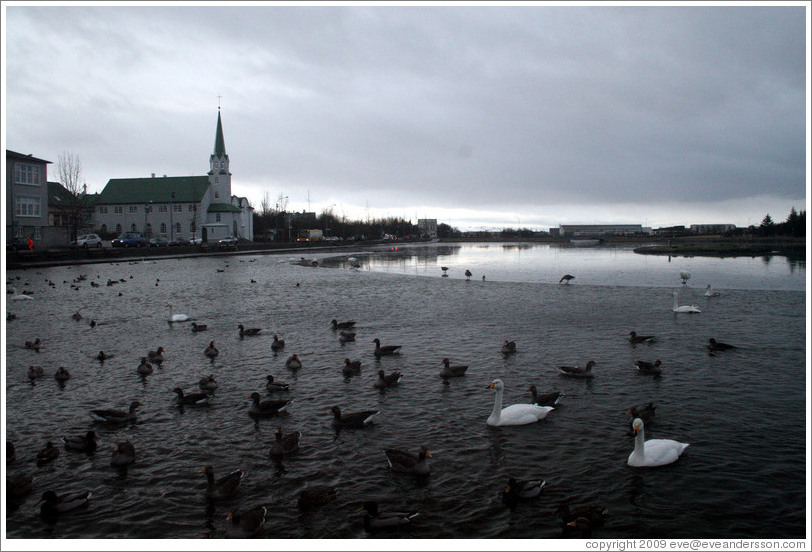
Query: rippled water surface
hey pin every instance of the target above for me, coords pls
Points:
(743, 411)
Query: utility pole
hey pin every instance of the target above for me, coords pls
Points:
(171, 217)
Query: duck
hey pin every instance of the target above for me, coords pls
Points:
(123, 455)
(353, 419)
(577, 371)
(81, 443)
(225, 487)
(690, 309)
(508, 347)
(351, 367)
(248, 331)
(268, 407)
(566, 278)
(35, 372)
(273, 385)
(595, 513)
(18, 487)
(345, 337)
(102, 356)
(645, 412)
(293, 362)
(211, 351)
(112, 416)
(284, 444)
(336, 325)
(517, 490)
(385, 380)
(468, 274)
(53, 504)
(208, 383)
(61, 375)
(192, 399)
(385, 350)
(47, 454)
(547, 399)
(247, 523)
(515, 414)
(580, 527)
(316, 496)
(648, 367)
(710, 292)
(33, 344)
(145, 368)
(714, 345)
(156, 356)
(401, 461)
(654, 452)
(376, 519)
(176, 317)
(449, 371)
(76, 315)
(278, 344)
(199, 327)
(634, 339)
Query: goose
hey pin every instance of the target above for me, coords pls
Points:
(336, 325)
(176, 317)
(268, 407)
(635, 339)
(508, 347)
(316, 496)
(47, 454)
(247, 523)
(353, 419)
(385, 350)
(35, 345)
(566, 278)
(293, 362)
(351, 367)
(714, 345)
(376, 520)
(518, 490)
(273, 385)
(515, 414)
(645, 412)
(595, 513)
(248, 331)
(123, 455)
(683, 308)
(156, 356)
(654, 452)
(468, 274)
(19, 296)
(284, 444)
(35, 372)
(389, 380)
(199, 327)
(61, 375)
(224, 487)
(81, 443)
(711, 292)
(76, 315)
(401, 461)
(449, 371)
(53, 504)
(345, 337)
(145, 368)
(580, 526)
(577, 371)
(102, 356)
(648, 367)
(18, 488)
(211, 351)
(546, 399)
(192, 399)
(208, 383)
(278, 344)
(111, 416)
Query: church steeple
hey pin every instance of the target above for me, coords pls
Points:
(219, 141)
(219, 175)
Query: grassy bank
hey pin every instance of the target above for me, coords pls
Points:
(716, 246)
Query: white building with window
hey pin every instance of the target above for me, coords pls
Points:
(182, 207)
(26, 197)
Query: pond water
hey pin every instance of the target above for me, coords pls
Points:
(742, 411)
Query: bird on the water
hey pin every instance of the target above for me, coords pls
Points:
(352, 419)
(577, 371)
(386, 349)
(634, 339)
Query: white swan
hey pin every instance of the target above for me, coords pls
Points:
(176, 317)
(654, 452)
(711, 292)
(19, 296)
(515, 414)
(684, 308)
(684, 276)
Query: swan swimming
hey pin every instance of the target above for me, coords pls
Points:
(684, 308)
(19, 296)
(515, 414)
(176, 317)
(711, 292)
(654, 452)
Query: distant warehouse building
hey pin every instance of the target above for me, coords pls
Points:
(712, 228)
(599, 230)
(427, 227)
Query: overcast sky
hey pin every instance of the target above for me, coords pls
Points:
(519, 116)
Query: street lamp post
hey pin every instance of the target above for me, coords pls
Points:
(146, 223)
(171, 217)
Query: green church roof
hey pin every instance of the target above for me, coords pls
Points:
(223, 208)
(188, 189)
(219, 140)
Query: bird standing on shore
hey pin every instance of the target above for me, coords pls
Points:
(566, 278)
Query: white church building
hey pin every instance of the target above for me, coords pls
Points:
(178, 207)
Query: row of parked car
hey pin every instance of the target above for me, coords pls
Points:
(135, 239)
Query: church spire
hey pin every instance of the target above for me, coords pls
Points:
(219, 141)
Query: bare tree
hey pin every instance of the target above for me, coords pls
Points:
(69, 173)
(265, 205)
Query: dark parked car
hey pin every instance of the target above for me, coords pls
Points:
(129, 239)
(18, 244)
(178, 242)
(159, 241)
